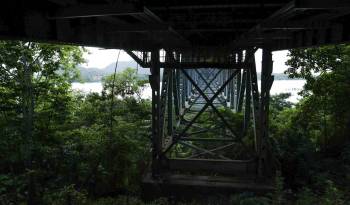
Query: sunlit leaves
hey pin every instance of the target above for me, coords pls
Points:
(125, 83)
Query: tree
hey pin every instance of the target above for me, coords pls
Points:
(33, 78)
(311, 136)
(125, 83)
(327, 105)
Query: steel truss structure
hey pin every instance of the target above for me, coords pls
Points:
(181, 95)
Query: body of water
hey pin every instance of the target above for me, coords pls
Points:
(288, 86)
(279, 86)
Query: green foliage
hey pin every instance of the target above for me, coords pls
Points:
(66, 195)
(279, 102)
(306, 197)
(326, 106)
(311, 136)
(132, 200)
(11, 189)
(34, 98)
(277, 197)
(68, 141)
(248, 199)
(125, 83)
(122, 200)
(330, 195)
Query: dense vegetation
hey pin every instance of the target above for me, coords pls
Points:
(56, 143)
(61, 147)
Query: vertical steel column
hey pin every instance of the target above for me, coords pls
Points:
(229, 90)
(189, 87)
(170, 97)
(185, 88)
(224, 79)
(256, 103)
(154, 79)
(183, 91)
(176, 87)
(176, 91)
(233, 92)
(226, 88)
(265, 158)
(247, 103)
(241, 91)
(239, 81)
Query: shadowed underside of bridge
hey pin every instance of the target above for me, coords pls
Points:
(207, 51)
(209, 125)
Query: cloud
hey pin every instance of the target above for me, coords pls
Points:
(100, 58)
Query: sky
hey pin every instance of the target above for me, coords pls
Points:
(100, 58)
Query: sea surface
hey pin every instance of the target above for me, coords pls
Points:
(279, 86)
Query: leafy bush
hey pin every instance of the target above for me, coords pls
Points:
(66, 195)
(306, 197)
(248, 199)
(12, 189)
(122, 200)
(278, 195)
(332, 195)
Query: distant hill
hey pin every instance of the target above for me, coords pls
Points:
(96, 74)
(91, 74)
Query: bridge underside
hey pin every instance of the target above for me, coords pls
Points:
(209, 117)
(209, 126)
(199, 27)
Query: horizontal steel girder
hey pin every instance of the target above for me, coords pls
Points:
(213, 166)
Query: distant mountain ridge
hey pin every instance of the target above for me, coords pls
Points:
(92, 74)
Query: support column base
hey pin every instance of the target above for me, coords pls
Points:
(187, 186)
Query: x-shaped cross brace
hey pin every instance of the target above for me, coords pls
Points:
(209, 103)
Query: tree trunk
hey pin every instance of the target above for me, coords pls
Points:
(28, 112)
